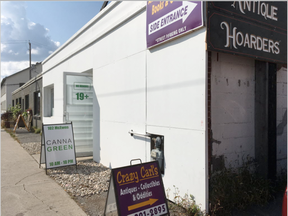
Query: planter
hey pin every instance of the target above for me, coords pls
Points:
(6, 119)
(7, 124)
(12, 124)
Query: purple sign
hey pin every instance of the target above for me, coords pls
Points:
(169, 19)
(139, 190)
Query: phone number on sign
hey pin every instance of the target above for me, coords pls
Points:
(154, 211)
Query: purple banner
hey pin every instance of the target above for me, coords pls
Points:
(169, 19)
(139, 190)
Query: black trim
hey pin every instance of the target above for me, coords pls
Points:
(105, 3)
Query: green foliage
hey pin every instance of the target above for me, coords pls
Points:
(25, 114)
(16, 110)
(37, 130)
(237, 189)
(186, 203)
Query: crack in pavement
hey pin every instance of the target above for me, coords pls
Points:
(32, 194)
(27, 177)
(50, 207)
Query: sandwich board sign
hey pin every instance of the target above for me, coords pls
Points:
(58, 145)
(20, 117)
(136, 190)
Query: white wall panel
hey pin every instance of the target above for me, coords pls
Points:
(102, 25)
(176, 82)
(117, 146)
(120, 96)
(232, 108)
(185, 162)
(176, 109)
(54, 77)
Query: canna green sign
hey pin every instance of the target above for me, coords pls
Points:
(59, 145)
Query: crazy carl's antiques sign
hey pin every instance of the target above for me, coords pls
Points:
(169, 19)
(59, 145)
(136, 191)
(250, 28)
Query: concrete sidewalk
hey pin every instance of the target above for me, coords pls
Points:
(26, 189)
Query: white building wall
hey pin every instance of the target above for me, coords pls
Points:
(176, 108)
(232, 108)
(54, 77)
(282, 120)
(87, 50)
(105, 23)
(159, 91)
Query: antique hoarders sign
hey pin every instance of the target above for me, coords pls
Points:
(169, 19)
(136, 191)
(272, 14)
(59, 145)
(251, 29)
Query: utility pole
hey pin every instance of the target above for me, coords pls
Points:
(29, 60)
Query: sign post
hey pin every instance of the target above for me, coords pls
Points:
(136, 191)
(59, 146)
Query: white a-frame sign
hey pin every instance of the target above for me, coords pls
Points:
(58, 146)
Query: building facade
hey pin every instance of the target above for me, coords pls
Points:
(31, 96)
(13, 82)
(248, 77)
(122, 81)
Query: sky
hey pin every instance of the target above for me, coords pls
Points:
(46, 24)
